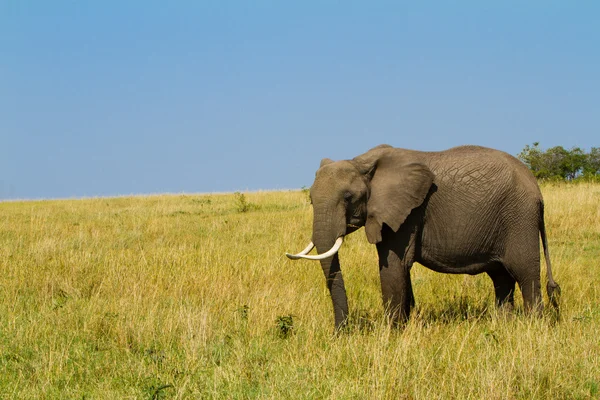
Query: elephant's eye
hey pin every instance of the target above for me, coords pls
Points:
(348, 197)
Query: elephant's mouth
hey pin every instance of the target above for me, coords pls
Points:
(353, 224)
(351, 228)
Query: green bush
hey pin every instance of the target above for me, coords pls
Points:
(558, 163)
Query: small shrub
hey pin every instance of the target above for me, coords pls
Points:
(242, 204)
(285, 326)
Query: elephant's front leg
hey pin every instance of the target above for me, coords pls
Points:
(396, 287)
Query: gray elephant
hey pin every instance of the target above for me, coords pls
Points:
(465, 210)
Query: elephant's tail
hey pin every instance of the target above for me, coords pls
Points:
(552, 287)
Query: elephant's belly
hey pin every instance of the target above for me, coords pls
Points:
(466, 245)
(461, 262)
(471, 268)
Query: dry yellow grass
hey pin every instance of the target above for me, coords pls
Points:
(185, 296)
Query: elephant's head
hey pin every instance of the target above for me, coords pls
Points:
(379, 187)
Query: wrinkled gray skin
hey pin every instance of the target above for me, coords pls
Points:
(466, 210)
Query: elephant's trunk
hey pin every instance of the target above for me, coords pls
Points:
(337, 290)
(325, 237)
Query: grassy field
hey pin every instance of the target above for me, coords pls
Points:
(191, 296)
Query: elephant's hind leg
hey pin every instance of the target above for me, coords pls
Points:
(532, 296)
(526, 271)
(504, 287)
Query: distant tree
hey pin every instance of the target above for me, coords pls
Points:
(574, 163)
(592, 167)
(560, 163)
(556, 161)
(533, 157)
(565, 164)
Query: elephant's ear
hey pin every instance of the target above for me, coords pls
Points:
(395, 190)
(325, 161)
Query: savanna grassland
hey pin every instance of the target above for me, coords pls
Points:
(191, 296)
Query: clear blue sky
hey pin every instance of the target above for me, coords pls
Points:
(132, 97)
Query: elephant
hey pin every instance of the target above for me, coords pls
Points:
(465, 210)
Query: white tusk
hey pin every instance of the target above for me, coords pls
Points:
(304, 252)
(307, 250)
(332, 251)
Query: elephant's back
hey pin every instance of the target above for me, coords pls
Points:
(473, 170)
(485, 169)
(478, 183)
